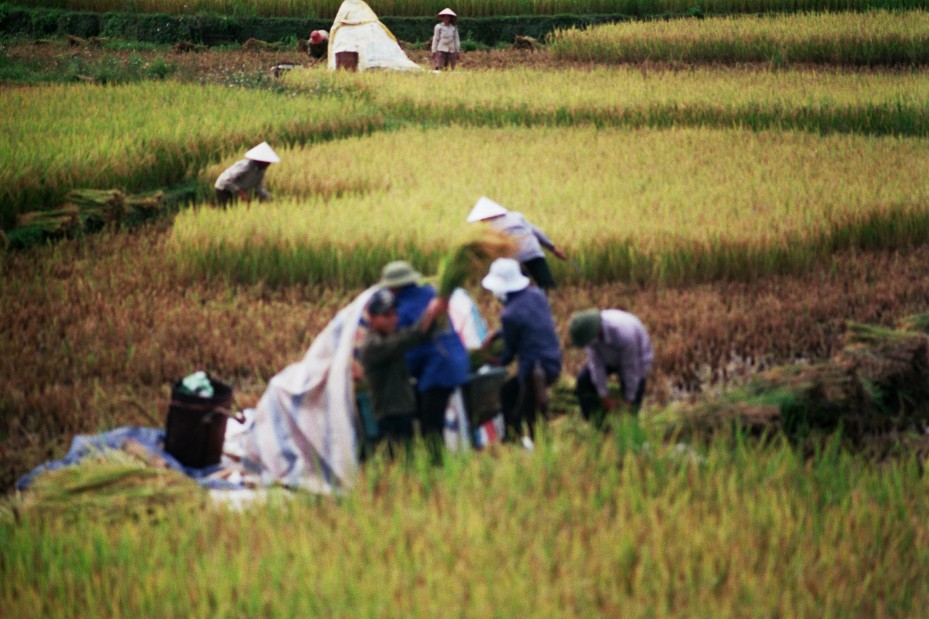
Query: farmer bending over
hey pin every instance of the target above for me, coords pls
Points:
(245, 176)
(616, 342)
(531, 240)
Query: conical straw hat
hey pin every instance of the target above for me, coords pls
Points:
(447, 11)
(485, 209)
(263, 152)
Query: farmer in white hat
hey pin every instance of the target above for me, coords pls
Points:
(616, 342)
(446, 45)
(245, 176)
(528, 332)
(531, 240)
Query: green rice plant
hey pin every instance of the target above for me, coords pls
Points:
(630, 205)
(587, 525)
(142, 136)
(473, 8)
(873, 38)
(821, 101)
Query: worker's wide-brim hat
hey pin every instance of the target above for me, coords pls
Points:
(584, 327)
(317, 36)
(505, 276)
(399, 273)
(485, 208)
(263, 152)
(447, 11)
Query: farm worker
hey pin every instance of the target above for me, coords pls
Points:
(439, 365)
(246, 175)
(616, 342)
(382, 359)
(531, 240)
(528, 333)
(319, 44)
(446, 46)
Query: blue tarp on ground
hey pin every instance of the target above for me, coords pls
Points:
(152, 439)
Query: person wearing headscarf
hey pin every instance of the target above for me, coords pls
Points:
(246, 176)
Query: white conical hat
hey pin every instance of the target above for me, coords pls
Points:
(447, 11)
(263, 152)
(504, 276)
(485, 209)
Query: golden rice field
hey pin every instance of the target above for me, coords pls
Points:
(822, 100)
(472, 8)
(858, 39)
(626, 204)
(146, 135)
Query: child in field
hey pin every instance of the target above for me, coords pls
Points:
(382, 359)
(446, 46)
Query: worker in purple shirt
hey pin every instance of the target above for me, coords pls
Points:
(616, 342)
(529, 336)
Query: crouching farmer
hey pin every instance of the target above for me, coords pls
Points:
(616, 342)
(382, 359)
(245, 176)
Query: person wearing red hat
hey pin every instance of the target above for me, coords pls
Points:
(319, 44)
(446, 46)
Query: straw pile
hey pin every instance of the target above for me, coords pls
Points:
(85, 210)
(113, 486)
(876, 387)
(471, 258)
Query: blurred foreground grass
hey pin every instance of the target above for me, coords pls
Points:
(586, 525)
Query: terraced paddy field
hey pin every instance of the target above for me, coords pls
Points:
(745, 212)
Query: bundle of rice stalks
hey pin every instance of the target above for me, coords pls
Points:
(97, 207)
(471, 258)
(916, 322)
(113, 486)
(876, 386)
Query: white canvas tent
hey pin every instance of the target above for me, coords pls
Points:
(357, 29)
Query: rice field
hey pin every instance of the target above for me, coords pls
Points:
(744, 214)
(821, 100)
(474, 8)
(629, 205)
(147, 135)
(585, 527)
(873, 38)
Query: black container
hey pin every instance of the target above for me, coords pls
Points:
(196, 426)
(482, 395)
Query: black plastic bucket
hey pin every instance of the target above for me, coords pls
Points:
(482, 395)
(196, 427)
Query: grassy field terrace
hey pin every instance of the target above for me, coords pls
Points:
(147, 135)
(477, 8)
(875, 38)
(628, 205)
